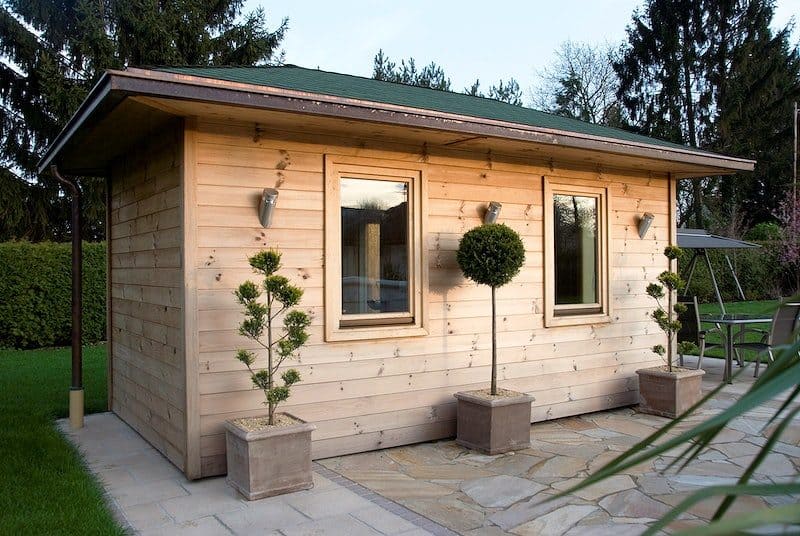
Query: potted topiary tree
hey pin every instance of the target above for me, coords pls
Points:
(492, 420)
(668, 390)
(270, 455)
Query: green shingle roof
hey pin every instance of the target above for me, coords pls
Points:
(355, 87)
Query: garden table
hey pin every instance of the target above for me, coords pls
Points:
(729, 321)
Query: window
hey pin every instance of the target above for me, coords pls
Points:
(576, 238)
(373, 250)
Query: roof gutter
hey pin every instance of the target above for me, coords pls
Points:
(187, 87)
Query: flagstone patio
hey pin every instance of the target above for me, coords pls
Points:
(484, 495)
(442, 488)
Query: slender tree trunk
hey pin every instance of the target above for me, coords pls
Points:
(270, 405)
(688, 97)
(494, 344)
(670, 332)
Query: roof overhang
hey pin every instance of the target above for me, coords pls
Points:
(126, 105)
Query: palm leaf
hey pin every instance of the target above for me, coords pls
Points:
(783, 374)
(760, 490)
(788, 514)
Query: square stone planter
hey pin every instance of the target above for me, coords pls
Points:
(269, 461)
(668, 393)
(493, 424)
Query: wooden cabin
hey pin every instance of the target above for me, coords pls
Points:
(377, 182)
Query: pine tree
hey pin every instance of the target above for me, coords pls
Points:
(711, 74)
(433, 76)
(54, 51)
(660, 75)
(757, 77)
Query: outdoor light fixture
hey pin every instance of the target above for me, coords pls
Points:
(644, 223)
(267, 206)
(492, 212)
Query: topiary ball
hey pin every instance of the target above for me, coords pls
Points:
(491, 254)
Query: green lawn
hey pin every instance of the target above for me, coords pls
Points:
(45, 488)
(751, 307)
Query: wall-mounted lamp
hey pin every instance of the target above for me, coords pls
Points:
(492, 212)
(267, 206)
(644, 223)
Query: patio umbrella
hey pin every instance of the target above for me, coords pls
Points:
(700, 241)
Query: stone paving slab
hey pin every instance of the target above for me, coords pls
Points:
(150, 497)
(444, 489)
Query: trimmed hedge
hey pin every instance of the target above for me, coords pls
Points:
(35, 294)
(761, 273)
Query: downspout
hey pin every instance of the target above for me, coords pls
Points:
(76, 388)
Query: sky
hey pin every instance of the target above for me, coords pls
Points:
(470, 40)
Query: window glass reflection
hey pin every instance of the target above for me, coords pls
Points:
(576, 249)
(375, 252)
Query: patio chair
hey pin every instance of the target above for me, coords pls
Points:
(782, 331)
(692, 331)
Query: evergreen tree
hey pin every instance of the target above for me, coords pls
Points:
(662, 86)
(54, 51)
(433, 76)
(711, 74)
(757, 78)
(509, 92)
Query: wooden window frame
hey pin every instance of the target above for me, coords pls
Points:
(380, 325)
(571, 315)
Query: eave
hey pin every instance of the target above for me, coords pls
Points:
(102, 117)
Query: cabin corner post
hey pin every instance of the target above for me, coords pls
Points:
(109, 291)
(193, 466)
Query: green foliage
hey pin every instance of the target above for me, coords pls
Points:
(764, 231)
(280, 295)
(655, 291)
(279, 287)
(761, 273)
(663, 315)
(36, 294)
(715, 75)
(509, 92)
(246, 357)
(673, 252)
(277, 394)
(56, 51)
(432, 76)
(671, 280)
(490, 254)
(290, 377)
(266, 262)
(247, 292)
(690, 441)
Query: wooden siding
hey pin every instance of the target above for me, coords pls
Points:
(358, 392)
(147, 369)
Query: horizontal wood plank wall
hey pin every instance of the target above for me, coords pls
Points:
(358, 393)
(146, 293)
